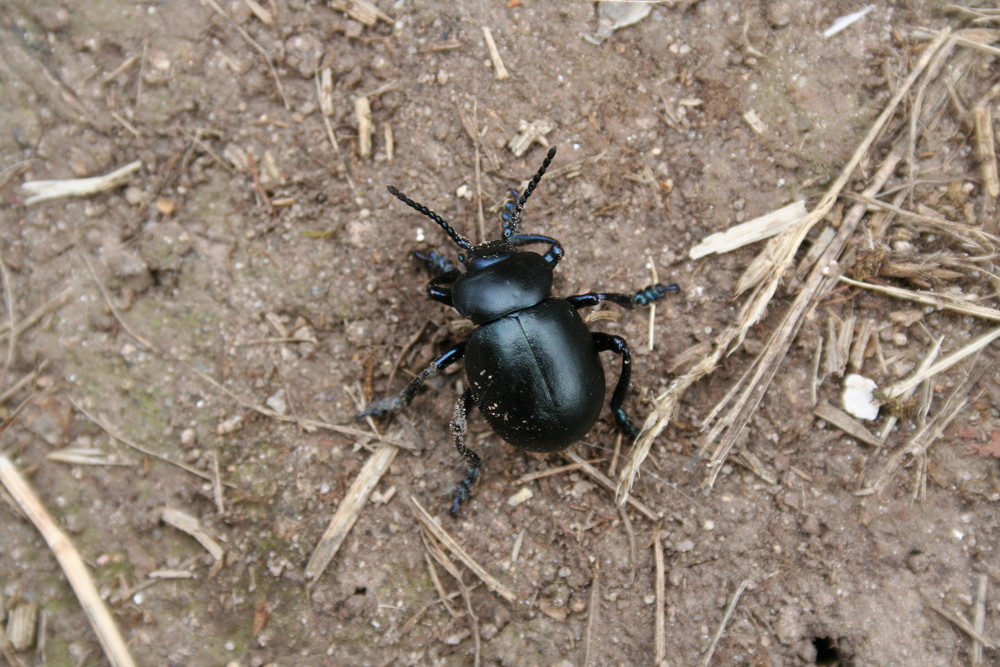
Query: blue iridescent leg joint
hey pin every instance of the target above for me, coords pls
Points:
(648, 295)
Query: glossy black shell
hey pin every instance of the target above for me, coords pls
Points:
(496, 285)
(536, 376)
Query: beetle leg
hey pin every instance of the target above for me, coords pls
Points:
(554, 253)
(617, 344)
(593, 298)
(435, 262)
(396, 403)
(643, 297)
(648, 295)
(507, 210)
(439, 292)
(459, 427)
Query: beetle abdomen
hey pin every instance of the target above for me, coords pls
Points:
(536, 376)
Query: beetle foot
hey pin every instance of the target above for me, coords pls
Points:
(464, 489)
(648, 295)
(509, 205)
(381, 407)
(435, 262)
(625, 425)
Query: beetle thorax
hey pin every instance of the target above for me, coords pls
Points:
(498, 285)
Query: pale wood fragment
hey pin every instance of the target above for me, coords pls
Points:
(442, 536)
(72, 565)
(42, 191)
(349, 509)
(986, 150)
(191, 525)
(501, 71)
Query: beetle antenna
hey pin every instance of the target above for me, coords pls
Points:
(510, 227)
(462, 242)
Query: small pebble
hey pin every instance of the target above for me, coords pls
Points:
(230, 425)
(523, 494)
(858, 398)
(277, 402)
(917, 562)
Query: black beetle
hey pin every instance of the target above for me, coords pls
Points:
(532, 363)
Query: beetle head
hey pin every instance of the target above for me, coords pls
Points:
(486, 254)
(500, 280)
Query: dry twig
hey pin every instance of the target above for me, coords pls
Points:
(925, 363)
(349, 509)
(931, 431)
(7, 649)
(942, 301)
(960, 622)
(84, 456)
(116, 72)
(363, 117)
(548, 472)
(604, 481)
(985, 241)
(114, 309)
(42, 191)
(218, 488)
(257, 47)
(760, 228)
(324, 91)
(443, 596)
(986, 151)
(593, 614)
(9, 302)
(471, 125)
(30, 320)
(71, 563)
(660, 622)
(191, 525)
(25, 380)
(899, 388)
(707, 660)
(501, 71)
(978, 39)
(449, 543)
(849, 425)
(979, 619)
(302, 422)
(113, 433)
(362, 11)
(452, 569)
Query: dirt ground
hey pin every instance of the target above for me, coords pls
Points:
(248, 262)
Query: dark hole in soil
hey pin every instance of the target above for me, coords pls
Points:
(827, 652)
(363, 590)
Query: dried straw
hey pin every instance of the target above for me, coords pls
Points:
(349, 509)
(72, 565)
(442, 536)
(764, 275)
